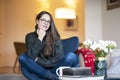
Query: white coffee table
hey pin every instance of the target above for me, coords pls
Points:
(81, 78)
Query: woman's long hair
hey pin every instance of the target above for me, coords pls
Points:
(51, 35)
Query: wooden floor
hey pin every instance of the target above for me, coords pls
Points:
(8, 70)
(7, 73)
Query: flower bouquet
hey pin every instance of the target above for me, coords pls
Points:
(101, 48)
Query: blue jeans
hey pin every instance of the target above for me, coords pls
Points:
(34, 71)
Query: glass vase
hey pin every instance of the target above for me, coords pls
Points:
(100, 66)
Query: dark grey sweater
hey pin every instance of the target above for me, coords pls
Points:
(34, 49)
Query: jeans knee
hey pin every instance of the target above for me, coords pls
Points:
(71, 56)
(21, 57)
(73, 59)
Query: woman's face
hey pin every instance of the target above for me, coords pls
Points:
(44, 22)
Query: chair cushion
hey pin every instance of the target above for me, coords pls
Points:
(70, 44)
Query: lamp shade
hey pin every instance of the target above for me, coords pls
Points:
(65, 13)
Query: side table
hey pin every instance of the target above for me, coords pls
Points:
(81, 78)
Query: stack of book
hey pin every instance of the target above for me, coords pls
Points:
(82, 71)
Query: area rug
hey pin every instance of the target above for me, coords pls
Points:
(12, 77)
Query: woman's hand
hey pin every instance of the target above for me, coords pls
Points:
(41, 34)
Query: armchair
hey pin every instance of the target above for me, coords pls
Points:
(69, 45)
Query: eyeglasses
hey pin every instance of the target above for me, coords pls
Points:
(45, 21)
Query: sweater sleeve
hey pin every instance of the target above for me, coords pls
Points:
(34, 45)
(58, 52)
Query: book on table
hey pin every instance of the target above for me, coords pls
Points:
(81, 73)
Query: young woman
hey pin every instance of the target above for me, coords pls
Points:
(45, 50)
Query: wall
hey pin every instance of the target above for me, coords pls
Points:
(19, 19)
(2, 35)
(111, 24)
(93, 19)
(101, 23)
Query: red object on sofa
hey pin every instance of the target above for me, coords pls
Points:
(89, 57)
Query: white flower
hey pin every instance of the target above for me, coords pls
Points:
(107, 45)
(111, 44)
(88, 43)
(94, 46)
